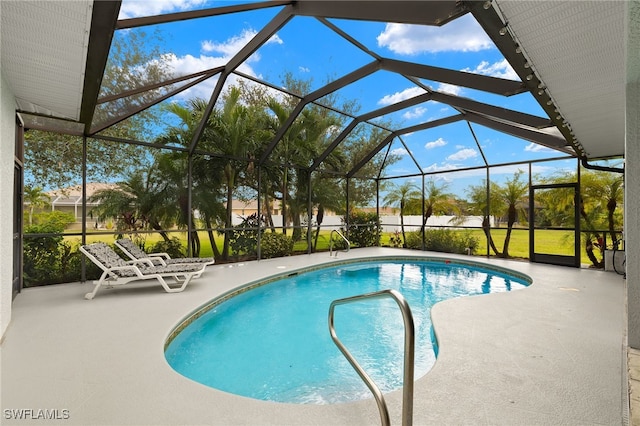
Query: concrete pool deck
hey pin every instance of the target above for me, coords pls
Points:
(553, 353)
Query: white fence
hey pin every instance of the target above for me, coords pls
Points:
(392, 223)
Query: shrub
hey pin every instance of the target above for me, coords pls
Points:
(273, 244)
(49, 259)
(173, 247)
(364, 229)
(414, 240)
(244, 237)
(444, 240)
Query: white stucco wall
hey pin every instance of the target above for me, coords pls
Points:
(632, 174)
(7, 149)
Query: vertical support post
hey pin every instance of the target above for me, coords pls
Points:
(189, 204)
(422, 228)
(309, 212)
(346, 219)
(378, 231)
(576, 220)
(83, 264)
(259, 237)
(488, 213)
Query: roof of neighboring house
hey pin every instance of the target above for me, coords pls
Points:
(72, 195)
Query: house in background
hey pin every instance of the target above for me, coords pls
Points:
(69, 200)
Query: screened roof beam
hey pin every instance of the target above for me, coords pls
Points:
(210, 72)
(347, 37)
(371, 154)
(147, 105)
(368, 116)
(435, 13)
(415, 161)
(103, 18)
(492, 23)
(521, 132)
(423, 126)
(313, 96)
(194, 14)
(493, 111)
(499, 86)
(247, 50)
(431, 124)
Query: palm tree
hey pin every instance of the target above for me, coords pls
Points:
(398, 196)
(479, 204)
(437, 200)
(207, 177)
(136, 203)
(36, 198)
(512, 193)
(232, 133)
(604, 189)
(284, 151)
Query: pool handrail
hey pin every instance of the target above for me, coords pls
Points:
(331, 241)
(409, 354)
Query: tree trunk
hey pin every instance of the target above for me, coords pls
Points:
(229, 219)
(284, 203)
(268, 216)
(487, 232)
(510, 221)
(589, 244)
(611, 208)
(212, 240)
(195, 244)
(156, 227)
(319, 219)
(404, 236)
(592, 257)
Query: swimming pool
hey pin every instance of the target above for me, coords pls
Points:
(270, 339)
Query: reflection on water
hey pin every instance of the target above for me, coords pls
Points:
(273, 342)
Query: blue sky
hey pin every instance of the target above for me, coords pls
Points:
(308, 49)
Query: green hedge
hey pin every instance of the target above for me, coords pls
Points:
(444, 240)
(273, 244)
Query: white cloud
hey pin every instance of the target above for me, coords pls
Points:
(188, 64)
(136, 8)
(435, 167)
(435, 144)
(463, 34)
(414, 113)
(500, 69)
(463, 154)
(234, 44)
(399, 151)
(303, 69)
(534, 147)
(449, 88)
(401, 96)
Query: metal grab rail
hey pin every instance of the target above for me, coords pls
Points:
(331, 241)
(409, 355)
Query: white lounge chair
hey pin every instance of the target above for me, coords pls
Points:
(134, 252)
(117, 271)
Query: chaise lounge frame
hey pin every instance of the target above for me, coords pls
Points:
(131, 250)
(116, 271)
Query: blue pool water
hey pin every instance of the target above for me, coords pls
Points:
(272, 342)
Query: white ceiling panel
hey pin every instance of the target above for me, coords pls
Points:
(577, 48)
(44, 51)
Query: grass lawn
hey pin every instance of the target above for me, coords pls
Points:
(547, 241)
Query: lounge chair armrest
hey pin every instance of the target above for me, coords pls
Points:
(146, 261)
(160, 255)
(127, 268)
